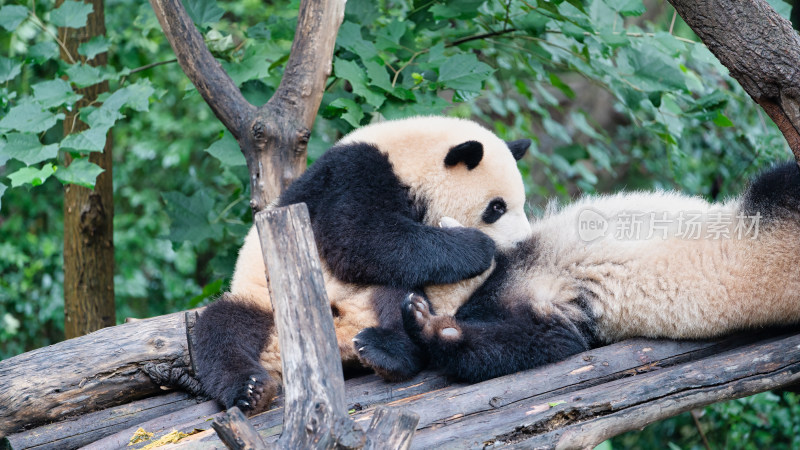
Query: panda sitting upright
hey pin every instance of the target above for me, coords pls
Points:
(376, 200)
(659, 265)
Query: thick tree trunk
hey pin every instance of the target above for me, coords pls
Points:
(761, 50)
(88, 213)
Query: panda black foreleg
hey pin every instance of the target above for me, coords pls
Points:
(230, 335)
(479, 350)
(387, 348)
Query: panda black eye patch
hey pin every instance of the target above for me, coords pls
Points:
(496, 208)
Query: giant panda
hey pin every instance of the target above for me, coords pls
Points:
(376, 201)
(583, 278)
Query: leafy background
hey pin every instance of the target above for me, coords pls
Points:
(613, 93)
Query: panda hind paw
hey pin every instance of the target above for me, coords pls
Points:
(424, 327)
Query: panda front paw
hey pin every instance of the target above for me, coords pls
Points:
(389, 353)
(252, 393)
(424, 327)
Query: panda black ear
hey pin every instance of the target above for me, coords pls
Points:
(519, 147)
(470, 153)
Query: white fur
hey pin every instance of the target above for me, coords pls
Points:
(664, 285)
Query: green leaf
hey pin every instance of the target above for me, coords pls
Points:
(349, 37)
(378, 76)
(29, 117)
(533, 22)
(227, 151)
(97, 45)
(54, 93)
(31, 175)
(456, 9)
(363, 11)
(26, 147)
(91, 140)
(81, 172)
(253, 66)
(9, 69)
(12, 15)
(722, 121)
(351, 72)
(554, 404)
(43, 51)
(653, 72)
(84, 75)
(352, 110)
(627, 7)
(190, 217)
(388, 38)
(71, 14)
(203, 12)
(561, 86)
(464, 72)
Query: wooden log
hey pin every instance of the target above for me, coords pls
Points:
(620, 405)
(391, 428)
(439, 403)
(236, 432)
(315, 413)
(88, 373)
(91, 427)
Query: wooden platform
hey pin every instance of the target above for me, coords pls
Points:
(580, 401)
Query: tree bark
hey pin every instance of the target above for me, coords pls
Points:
(88, 213)
(760, 49)
(315, 413)
(102, 369)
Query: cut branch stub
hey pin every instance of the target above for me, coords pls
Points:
(760, 49)
(236, 432)
(314, 413)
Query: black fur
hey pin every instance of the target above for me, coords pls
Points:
(369, 231)
(470, 153)
(230, 336)
(497, 335)
(775, 194)
(387, 348)
(518, 147)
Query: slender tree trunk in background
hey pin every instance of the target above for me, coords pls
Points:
(88, 213)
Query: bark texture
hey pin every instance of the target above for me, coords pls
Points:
(760, 49)
(88, 213)
(102, 369)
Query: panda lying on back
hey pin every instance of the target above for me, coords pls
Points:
(375, 200)
(613, 267)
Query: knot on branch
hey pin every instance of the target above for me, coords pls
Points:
(301, 140)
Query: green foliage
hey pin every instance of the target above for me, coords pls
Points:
(610, 99)
(766, 420)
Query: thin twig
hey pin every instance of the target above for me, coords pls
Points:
(44, 28)
(699, 429)
(151, 65)
(672, 24)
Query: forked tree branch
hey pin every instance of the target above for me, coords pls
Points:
(760, 49)
(274, 136)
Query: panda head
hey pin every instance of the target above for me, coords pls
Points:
(456, 168)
